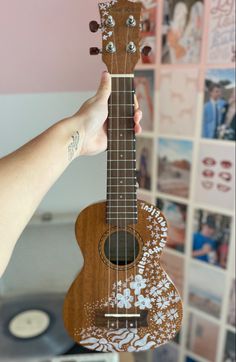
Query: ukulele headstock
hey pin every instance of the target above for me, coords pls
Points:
(120, 27)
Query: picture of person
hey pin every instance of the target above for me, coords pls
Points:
(144, 162)
(182, 31)
(148, 34)
(211, 238)
(219, 115)
(144, 85)
(176, 215)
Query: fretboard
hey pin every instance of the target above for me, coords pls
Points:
(121, 155)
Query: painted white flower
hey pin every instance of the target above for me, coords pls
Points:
(159, 318)
(173, 297)
(102, 6)
(162, 302)
(143, 302)
(164, 284)
(155, 291)
(124, 300)
(172, 314)
(138, 284)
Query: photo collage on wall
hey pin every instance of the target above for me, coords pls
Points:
(186, 164)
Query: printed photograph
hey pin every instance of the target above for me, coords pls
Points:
(174, 167)
(219, 115)
(230, 352)
(166, 353)
(148, 34)
(144, 85)
(232, 305)
(204, 291)
(221, 34)
(182, 31)
(215, 177)
(178, 102)
(176, 215)
(202, 337)
(144, 162)
(174, 267)
(211, 238)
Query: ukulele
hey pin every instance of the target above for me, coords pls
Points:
(122, 300)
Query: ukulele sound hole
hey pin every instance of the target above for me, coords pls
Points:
(121, 248)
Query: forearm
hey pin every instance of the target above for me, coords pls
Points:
(27, 174)
(201, 252)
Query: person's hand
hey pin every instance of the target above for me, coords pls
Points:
(92, 118)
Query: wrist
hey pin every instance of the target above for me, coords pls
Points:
(73, 134)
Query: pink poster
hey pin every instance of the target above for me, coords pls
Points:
(216, 176)
(221, 47)
(178, 101)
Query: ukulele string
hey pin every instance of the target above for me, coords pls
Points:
(109, 127)
(125, 163)
(117, 214)
(134, 196)
(117, 179)
(130, 88)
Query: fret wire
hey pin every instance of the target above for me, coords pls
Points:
(119, 140)
(122, 200)
(120, 160)
(120, 129)
(123, 218)
(118, 185)
(127, 193)
(124, 206)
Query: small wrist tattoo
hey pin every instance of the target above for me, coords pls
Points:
(73, 146)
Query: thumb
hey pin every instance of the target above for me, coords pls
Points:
(104, 89)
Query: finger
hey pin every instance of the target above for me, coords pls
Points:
(138, 129)
(136, 104)
(138, 116)
(104, 89)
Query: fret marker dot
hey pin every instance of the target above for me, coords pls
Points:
(121, 182)
(121, 156)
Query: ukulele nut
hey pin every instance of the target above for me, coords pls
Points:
(110, 22)
(131, 48)
(110, 48)
(131, 22)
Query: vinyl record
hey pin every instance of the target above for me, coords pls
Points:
(32, 327)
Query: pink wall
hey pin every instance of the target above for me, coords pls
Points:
(44, 46)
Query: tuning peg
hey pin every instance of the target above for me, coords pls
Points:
(146, 50)
(94, 51)
(94, 26)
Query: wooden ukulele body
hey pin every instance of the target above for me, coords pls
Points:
(113, 307)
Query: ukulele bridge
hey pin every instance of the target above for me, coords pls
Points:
(121, 320)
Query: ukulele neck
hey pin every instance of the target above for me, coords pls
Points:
(121, 155)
